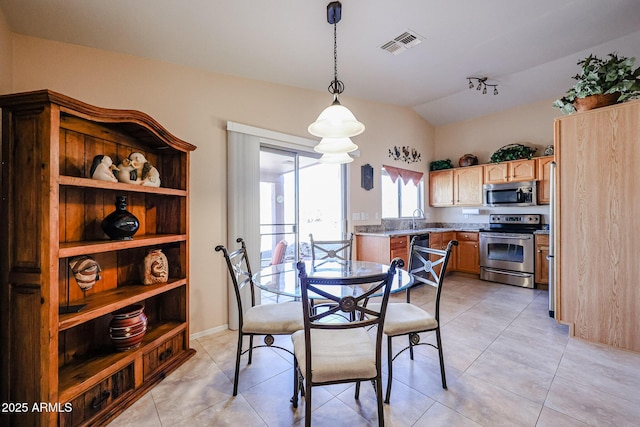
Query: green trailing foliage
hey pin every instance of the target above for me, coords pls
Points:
(512, 152)
(437, 165)
(597, 76)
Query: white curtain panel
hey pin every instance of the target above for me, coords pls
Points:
(243, 206)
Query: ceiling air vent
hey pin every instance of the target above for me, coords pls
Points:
(404, 41)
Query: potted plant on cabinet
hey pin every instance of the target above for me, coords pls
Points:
(601, 82)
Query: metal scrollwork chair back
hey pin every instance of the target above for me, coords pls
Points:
(330, 352)
(331, 250)
(428, 266)
(267, 320)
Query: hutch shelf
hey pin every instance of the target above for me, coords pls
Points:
(51, 211)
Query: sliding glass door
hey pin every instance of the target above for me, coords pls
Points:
(298, 196)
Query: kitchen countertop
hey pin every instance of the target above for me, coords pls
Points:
(412, 232)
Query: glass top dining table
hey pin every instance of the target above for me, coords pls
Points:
(282, 279)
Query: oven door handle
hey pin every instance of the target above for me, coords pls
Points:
(510, 273)
(502, 236)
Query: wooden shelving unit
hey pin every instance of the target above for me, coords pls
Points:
(51, 211)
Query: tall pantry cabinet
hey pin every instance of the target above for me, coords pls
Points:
(57, 367)
(597, 236)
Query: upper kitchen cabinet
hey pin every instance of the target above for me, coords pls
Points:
(456, 187)
(513, 171)
(441, 188)
(597, 238)
(543, 165)
(467, 186)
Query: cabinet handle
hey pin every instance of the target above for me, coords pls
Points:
(97, 401)
(166, 354)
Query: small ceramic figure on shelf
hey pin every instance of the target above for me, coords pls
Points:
(102, 169)
(86, 271)
(155, 268)
(137, 170)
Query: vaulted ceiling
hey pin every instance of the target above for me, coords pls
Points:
(528, 48)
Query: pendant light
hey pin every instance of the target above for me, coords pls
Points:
(336, 124)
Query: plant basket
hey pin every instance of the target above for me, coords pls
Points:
(595, 101)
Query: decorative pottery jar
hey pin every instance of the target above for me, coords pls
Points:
(468, 160)
(86, 270)
(127, 327)
(155, 268)
(120, 224)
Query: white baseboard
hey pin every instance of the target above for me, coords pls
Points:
(206, 332)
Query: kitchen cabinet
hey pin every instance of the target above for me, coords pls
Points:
(440, 240)
(382, 249)
(541, 276)
(467, 186)
(467, 253)
(544, 179)
(441, 188)
(456, 187)
(51, 213)
(597, 238)
(513, 171)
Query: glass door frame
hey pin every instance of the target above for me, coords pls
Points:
(295, 154)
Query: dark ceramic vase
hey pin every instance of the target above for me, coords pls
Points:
(120, 224)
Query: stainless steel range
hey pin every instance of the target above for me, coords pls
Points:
(507, 249)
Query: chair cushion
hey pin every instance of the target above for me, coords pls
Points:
(403, 318)
(337, 354)
(274, 319)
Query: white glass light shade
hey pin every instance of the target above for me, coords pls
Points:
(335, 146)
(338, 158)
(336, 121)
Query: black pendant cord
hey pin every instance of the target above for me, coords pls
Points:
(336, 87)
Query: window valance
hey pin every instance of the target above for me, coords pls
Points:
(405, 174)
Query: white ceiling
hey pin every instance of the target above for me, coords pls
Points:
(529, 48)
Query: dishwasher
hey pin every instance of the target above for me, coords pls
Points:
(420, 240)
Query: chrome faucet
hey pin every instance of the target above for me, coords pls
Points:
(413, 217)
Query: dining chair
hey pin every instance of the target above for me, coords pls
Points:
(279, 252)
(427, 266)
(331, 250)
(323, 251)
(257, 320)
(329, 352)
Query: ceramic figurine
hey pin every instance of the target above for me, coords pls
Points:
(155, 268)
(102, 169)
(137, 170)
(86, 270)
(127, 173)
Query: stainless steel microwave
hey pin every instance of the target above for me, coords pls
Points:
(510, 194)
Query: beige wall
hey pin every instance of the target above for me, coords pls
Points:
(531, 124)
(195, 106)
(5, 55)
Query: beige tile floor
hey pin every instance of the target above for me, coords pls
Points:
(507, 362)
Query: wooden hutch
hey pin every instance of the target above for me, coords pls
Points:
(50, 212)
